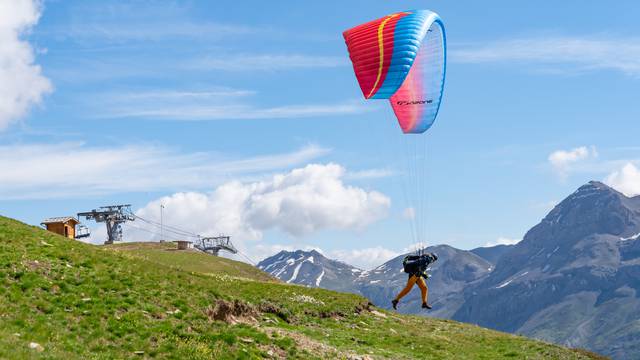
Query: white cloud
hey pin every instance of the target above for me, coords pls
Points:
(93, 22)
(211, 104)
(562, 160)
(141, 21)
(312, 198)
(260, 251)
(264, 251)
(267, 62)
(236, 111)
(566, 53)
(367, 258)
(416, 246)
(369, 174)
(502, 241)
(301, 202)
(22, 84)
(625, 180)
(181, 96)
(75, 170)
(117, 31)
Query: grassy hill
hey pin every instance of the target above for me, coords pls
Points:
(191, 260)
(63, 299)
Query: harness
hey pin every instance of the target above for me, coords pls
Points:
(416, 265)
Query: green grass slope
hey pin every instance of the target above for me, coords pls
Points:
(63, 299)
(191, 260)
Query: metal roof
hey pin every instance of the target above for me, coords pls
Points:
(61, 219)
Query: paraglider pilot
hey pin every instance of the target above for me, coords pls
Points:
(416, 267)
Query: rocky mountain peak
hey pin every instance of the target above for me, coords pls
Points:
(594, 208)
(310, 268)
(572, 270)
(580, 231)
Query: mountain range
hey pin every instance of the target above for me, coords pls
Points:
(574, 279)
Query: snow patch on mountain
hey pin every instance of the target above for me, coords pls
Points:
(319, 279)
(295, 273)
(511, 280)
(634, 237)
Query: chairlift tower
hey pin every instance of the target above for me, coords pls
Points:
(113, 216)
(213, 244)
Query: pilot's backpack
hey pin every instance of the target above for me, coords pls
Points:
(411, 264)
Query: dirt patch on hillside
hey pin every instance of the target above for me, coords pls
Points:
(238, 311)
(232, 312)
(40, 267)
(267, 307)
(273, 352)
(314, 347)
(363, 307)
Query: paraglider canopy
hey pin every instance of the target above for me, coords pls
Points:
(402, 57)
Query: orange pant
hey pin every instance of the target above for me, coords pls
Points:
(421, 284)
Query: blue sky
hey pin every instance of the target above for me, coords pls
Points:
(147, 102)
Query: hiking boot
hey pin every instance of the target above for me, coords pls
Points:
(394, 302)
(426, 306)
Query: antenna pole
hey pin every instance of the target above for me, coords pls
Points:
(161, 224)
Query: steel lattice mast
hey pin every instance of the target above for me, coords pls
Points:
(213, 245)
(113, 216)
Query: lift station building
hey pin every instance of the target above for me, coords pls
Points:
(65, 226)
